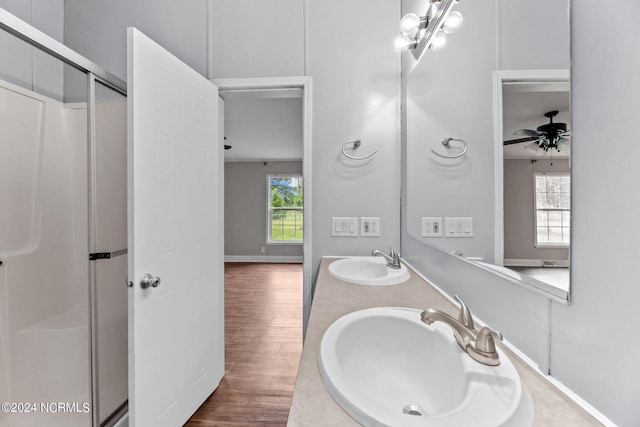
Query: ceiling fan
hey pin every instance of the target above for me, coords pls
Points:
(548, 136)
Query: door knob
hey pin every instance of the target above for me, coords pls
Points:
(149, 280)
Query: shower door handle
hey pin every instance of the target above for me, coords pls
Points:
(149, 281)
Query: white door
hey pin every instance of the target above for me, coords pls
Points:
(176, 338)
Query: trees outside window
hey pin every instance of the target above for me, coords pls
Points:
(285, 209)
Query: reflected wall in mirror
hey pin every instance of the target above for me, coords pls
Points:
(453, 94)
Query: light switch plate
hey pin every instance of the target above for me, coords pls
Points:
(431, 226)
(344, 226)
(370, 226)
(458, 227)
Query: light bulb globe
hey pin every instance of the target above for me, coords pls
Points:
(410, 24)
(438, 42)
(402, 42)
(453, 22)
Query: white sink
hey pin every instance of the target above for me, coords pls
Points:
(370, 270)
(387, 368)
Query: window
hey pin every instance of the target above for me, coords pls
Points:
(284, 209)
(553, 209)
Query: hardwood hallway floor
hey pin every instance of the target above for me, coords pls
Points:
(263, 344)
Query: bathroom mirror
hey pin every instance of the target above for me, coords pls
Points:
(494, 89)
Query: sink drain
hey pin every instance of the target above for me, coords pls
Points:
(414, 410)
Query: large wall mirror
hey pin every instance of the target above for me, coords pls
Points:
(501, 89)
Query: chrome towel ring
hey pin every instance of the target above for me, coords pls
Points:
(356, 143)
(445, 142)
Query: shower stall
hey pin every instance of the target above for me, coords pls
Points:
(63, 234)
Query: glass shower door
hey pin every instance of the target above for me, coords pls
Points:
(44, 312)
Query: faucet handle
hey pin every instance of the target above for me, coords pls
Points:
(465, 316)
(485, 340)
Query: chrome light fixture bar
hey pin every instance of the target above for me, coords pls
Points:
(429, 28)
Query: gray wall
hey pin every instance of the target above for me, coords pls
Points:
(585, 345)
(519, 209)
(245, 208)
(28, 67)
(355, 95)
(97, 30)
(257, 38)
(590, 348)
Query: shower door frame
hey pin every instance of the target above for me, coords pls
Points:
(36, 38)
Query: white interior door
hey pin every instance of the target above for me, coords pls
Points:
(176, 338)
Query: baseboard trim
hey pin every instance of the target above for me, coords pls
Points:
(264, 258)
(522, 262)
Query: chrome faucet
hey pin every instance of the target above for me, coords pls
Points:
(393, 259)
(480, 346)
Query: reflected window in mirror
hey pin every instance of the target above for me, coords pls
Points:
(553, 210)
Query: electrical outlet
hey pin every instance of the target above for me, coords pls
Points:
(370, 226)
(431, 226)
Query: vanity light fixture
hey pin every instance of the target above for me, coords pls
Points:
(428, 31)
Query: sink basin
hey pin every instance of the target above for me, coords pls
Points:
(370, 270)
(387, 368)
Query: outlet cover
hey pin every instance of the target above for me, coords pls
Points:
(431, 226)
(370, 226)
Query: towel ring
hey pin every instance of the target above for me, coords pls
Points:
(445, 142)
(356, 143)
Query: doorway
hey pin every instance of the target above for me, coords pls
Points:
(279, 88)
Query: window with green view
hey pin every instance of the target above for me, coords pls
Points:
(284, 209)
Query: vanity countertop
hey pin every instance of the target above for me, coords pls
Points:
(313, 406)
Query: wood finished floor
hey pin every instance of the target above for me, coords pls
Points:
(263, 344)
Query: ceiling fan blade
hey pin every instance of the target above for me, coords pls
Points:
(519, 140)
(528, 132)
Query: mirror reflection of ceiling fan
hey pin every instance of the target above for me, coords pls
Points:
(545, 137)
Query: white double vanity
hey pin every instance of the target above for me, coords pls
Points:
(368, 359)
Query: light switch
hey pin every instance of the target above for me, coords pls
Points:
(459, 227)
(344, 226)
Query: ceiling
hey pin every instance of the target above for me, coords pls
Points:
(524, 105)
(263, 124)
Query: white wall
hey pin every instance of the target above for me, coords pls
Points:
(590, 347)
(262, 128)
(585, 345)
(355, 95)
(257, 38)
(97, 30)
(26, 66)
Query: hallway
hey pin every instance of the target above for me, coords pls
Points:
(263, 344)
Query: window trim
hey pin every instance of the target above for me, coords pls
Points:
(535, 212)
(268, 239)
